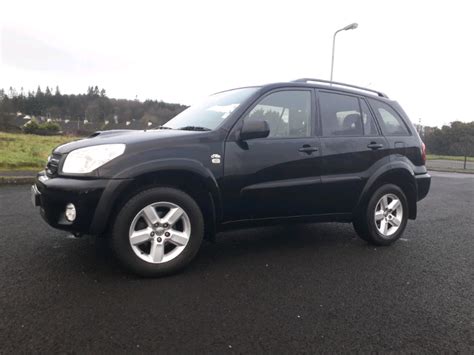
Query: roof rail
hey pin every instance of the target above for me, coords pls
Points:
(305, 80)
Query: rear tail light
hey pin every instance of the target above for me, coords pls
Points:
(423, 152)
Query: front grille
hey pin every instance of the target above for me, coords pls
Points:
(53, 165)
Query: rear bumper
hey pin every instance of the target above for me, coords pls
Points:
(423, 183)
(92, 198)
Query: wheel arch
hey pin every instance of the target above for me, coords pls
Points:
(399, 174)
(189, 176)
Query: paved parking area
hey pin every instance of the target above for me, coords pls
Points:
(284, 289)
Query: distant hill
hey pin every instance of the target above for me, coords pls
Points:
(83, 112)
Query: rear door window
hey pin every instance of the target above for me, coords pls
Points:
(344, 115)
(340, 115)
(390, 121)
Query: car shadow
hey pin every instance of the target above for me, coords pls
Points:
(93, 256)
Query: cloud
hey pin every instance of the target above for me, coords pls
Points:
(26, 52)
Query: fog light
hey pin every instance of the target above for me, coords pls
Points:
(70, 212)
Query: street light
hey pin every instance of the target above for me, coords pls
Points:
(352, 26)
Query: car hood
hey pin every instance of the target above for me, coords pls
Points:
(128, 137)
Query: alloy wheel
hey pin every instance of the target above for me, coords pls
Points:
(160, 232)
(388, 215)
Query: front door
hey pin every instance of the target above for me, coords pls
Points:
(279, 175)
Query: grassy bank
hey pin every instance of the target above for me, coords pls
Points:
(27, 151)
(447, 157)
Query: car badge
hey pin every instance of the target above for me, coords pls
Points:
(215, 159)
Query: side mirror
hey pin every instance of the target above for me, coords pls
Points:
(252, 129)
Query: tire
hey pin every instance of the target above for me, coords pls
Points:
(385, 216)
(146, 244)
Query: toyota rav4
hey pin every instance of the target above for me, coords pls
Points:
(302, 151)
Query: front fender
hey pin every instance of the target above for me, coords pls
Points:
(121, 180)
(176, 164)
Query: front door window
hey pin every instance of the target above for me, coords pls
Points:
(288, 113)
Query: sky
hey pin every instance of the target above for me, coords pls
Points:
(420, 53)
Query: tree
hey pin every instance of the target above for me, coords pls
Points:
(47, 128)
(94, 105)
(6, 114)
(455, 139)
(92, 112)
(13, 92)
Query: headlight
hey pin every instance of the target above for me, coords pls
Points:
(85, 160)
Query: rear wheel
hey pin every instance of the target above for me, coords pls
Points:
(158, 232)
(385, 216)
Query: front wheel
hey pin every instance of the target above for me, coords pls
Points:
(385, 216)
(158, 231)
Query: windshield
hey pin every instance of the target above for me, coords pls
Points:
(210, 113)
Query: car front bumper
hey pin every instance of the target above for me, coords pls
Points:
(92, 198)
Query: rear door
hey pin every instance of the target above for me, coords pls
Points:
(280, 175)
(351, 146)
(400, 141)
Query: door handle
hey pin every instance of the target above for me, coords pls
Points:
(308, 149)
(374, 146)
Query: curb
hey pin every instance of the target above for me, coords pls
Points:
(16, 180)
(448, 170)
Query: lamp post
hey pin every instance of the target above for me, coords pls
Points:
(352, 26)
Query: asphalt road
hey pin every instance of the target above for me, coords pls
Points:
(270, 290)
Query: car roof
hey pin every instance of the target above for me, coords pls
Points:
(329, 85)
(320, 84)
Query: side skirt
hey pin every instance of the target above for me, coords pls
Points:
(249, 223)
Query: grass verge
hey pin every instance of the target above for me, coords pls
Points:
(27, 151)
(447, 157)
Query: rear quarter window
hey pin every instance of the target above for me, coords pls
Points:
(390, 121)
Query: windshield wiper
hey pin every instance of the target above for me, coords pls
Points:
(194, 128)
(163, 127)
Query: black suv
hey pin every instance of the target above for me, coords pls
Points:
(302, 151)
